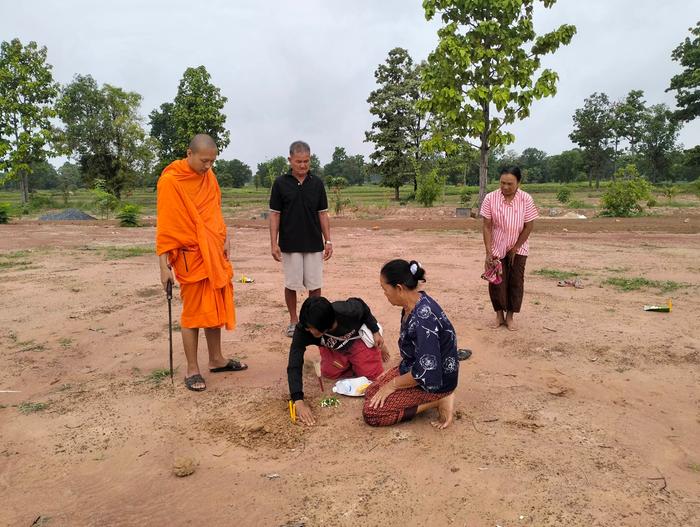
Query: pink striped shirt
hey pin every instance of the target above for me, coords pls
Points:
(508, 220)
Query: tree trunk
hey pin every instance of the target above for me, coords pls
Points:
(415, 184)
(24, 186)
(590, 177)
(396, 193)
(484, 155)
(483, 171)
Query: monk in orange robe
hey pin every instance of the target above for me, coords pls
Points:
(193, 246)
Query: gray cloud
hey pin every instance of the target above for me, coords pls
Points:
(304, 69)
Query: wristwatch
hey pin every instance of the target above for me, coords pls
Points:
(328, 242)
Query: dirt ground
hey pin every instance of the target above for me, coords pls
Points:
(589, 415)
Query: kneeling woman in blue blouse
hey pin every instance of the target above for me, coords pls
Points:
(428, 372)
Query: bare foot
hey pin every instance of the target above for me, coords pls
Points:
(500, 321)
(445, 412)
(510, 324)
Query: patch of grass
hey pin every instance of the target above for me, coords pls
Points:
(636, 283)
(695, 467)
(148, 292)
(30, 345)
(14, 259)
(65, 342)
(29, 407)
(119, 253)
(617, 269)
(157, 376)
(680, 204)
(556, 274)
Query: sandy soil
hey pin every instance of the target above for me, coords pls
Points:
(587, 416)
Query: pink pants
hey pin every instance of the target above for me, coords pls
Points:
(359, 360)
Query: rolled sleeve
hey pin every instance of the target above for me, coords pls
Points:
(486, 207)
(276, 204)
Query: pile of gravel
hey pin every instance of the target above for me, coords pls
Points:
(67, 215)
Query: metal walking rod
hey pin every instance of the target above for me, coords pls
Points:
(169, 296)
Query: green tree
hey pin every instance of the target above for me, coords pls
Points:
(43, 175)
(623, 195)
(315, 166)
(486, 71)
(234, 173)
(399, 125)
(335, 167)
(269, 170)
(565, 167)
(337, 184)
(458, 163)
(658, 141)
(687, 83)
(68, 179)
(27, 94)
(593, 132)
(197, 109)
(533, 162)
(103, 133)
(628, 118)
(163, 131)
(430, 186)
(351, 168)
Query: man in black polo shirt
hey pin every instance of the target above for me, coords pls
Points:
(300, 235)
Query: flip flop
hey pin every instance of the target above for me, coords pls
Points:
(463, 354)
(231, 365)
(290, 330)
(195, 379)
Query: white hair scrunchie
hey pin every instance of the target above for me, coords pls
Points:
(414, 268)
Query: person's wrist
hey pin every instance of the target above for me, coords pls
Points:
(328, 242)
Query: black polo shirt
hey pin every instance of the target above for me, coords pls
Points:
(298, 205)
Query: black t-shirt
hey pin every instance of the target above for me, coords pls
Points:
(298, 205)
(350, 314)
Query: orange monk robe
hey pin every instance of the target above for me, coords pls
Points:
(191, 228)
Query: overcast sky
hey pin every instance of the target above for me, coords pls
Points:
(303, 69)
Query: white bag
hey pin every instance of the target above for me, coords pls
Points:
(367, 336)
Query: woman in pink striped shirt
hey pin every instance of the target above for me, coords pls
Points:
(509, 215)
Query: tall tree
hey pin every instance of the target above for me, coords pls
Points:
(103, 133)
(335, 167)
(27, 94)
(629, 117)
(68, 179)
(533, 163)
(43, 175)
(269, 170)
(687, 83)
(566, 167)
(234, 173)
(593, 132)
(197, 109)
(315, 166)
(400, 126)
(658, 141)
(485, 71)
(163, 131)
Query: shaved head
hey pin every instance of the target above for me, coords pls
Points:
(202, 142)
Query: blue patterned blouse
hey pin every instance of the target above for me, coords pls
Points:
(428, 346)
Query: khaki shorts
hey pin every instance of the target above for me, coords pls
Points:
(303, 271)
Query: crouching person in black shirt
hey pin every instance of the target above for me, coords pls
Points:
(336, 329)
